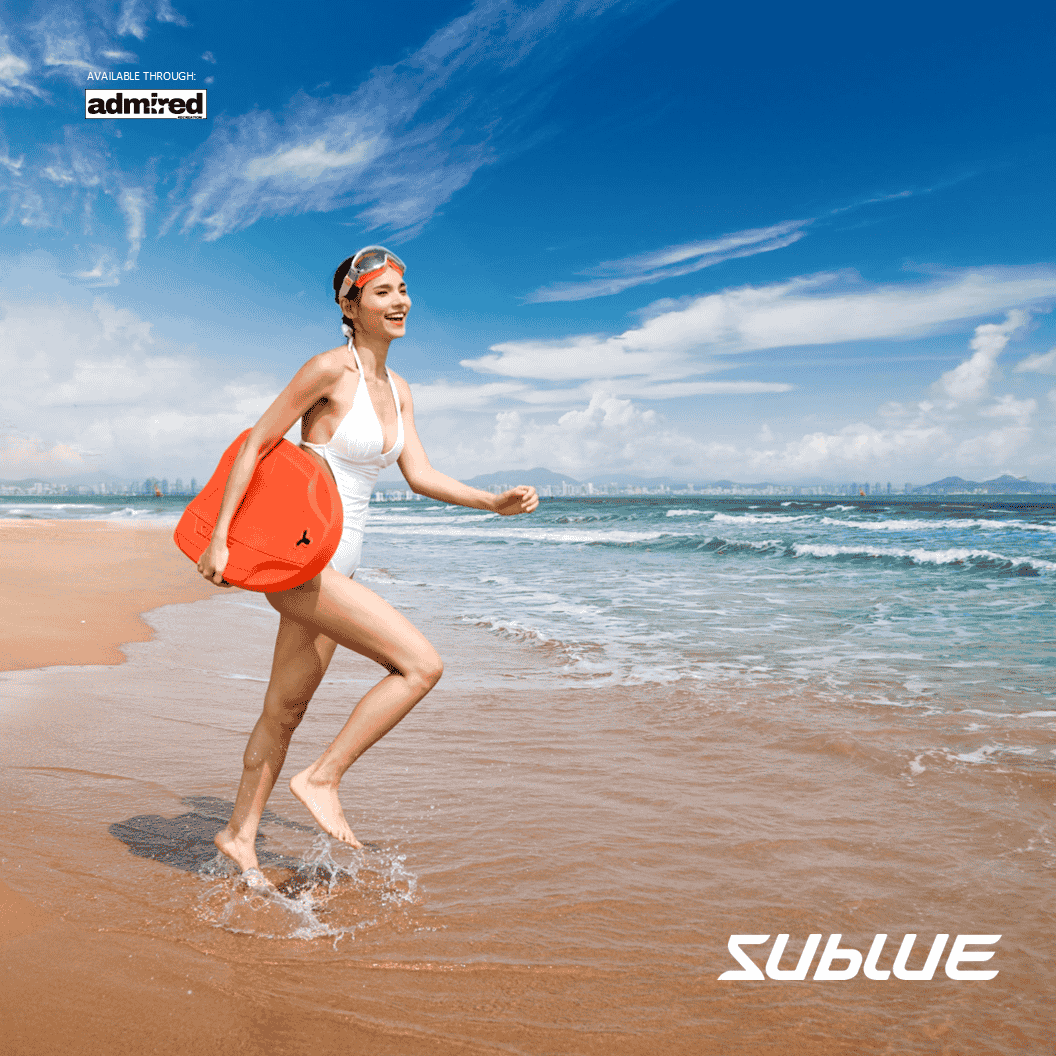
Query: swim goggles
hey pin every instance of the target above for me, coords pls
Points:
(367, 264)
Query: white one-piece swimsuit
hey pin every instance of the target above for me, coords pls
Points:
(354, 454)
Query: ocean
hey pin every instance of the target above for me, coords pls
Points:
(665, 720)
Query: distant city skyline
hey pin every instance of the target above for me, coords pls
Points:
(160, 487)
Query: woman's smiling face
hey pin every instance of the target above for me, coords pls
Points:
(382, 308)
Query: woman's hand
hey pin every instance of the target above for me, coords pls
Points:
(522, 499)
(213, 562)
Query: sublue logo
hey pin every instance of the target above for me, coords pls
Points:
(852, 960)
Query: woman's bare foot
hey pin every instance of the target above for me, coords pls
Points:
(321, 800)
(238, 849)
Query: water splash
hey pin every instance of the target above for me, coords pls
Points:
(319, 897)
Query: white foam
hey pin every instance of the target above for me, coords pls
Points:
(917, 525)
(383, 515)
(540, 535)
(951, 556)
(761, 518)
(986, 753)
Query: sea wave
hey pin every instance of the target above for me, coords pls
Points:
(981, 559)
(761, 518)
(657, 541)
(944, 524)
(617, 537)
(383, 515)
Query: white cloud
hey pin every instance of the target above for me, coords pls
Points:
(93, 387)
(850, 451)
(68, 185)
(609, 434)
(134, 15)
(440, 397)
(96, 378)
(50, 172)
(310, 161)
(681, 389)
(994, 447)
(167, 13)
(679, 339)
(619, 275)
(1009, 407)
(9, 163)
(133, 204)
(486, 72)
(103, 272)
(615, 276)
(62, 38)
(22, 457)
(14, 70)
(1043, 363)
(970, 380)
(601, 435)
(926, 441)
(70, 39)
(132, 21)
(918, 440)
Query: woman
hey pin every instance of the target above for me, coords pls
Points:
(357, 416)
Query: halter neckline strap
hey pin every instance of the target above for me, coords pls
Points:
(359, 367)
(352, 349)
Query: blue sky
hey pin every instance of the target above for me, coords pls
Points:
(766, 243)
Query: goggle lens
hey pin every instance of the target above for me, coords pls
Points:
(369, 263)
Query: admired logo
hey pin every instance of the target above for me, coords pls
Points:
(837, 962)
(172, 103)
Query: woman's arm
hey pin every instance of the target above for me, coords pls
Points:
(310, 384)
(425, 480)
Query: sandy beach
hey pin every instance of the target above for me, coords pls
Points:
(550, 868)
(73, 593)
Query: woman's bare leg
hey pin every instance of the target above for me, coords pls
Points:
(353, 616)
(300, 661)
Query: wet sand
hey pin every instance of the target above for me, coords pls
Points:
(551, 868)
(72, 593)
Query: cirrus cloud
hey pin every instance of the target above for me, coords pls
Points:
(423, 126)
(680, 338)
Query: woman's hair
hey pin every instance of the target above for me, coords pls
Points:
(354, 292)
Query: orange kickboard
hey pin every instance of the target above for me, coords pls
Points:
(286, 529)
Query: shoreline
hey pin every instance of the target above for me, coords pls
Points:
(72, 593)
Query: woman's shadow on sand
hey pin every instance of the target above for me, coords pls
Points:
(186, 841)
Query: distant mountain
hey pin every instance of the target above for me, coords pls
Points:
(1003, 485)
(537, 477)
(622, 480)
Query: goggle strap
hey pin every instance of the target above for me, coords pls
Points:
(362, 280)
